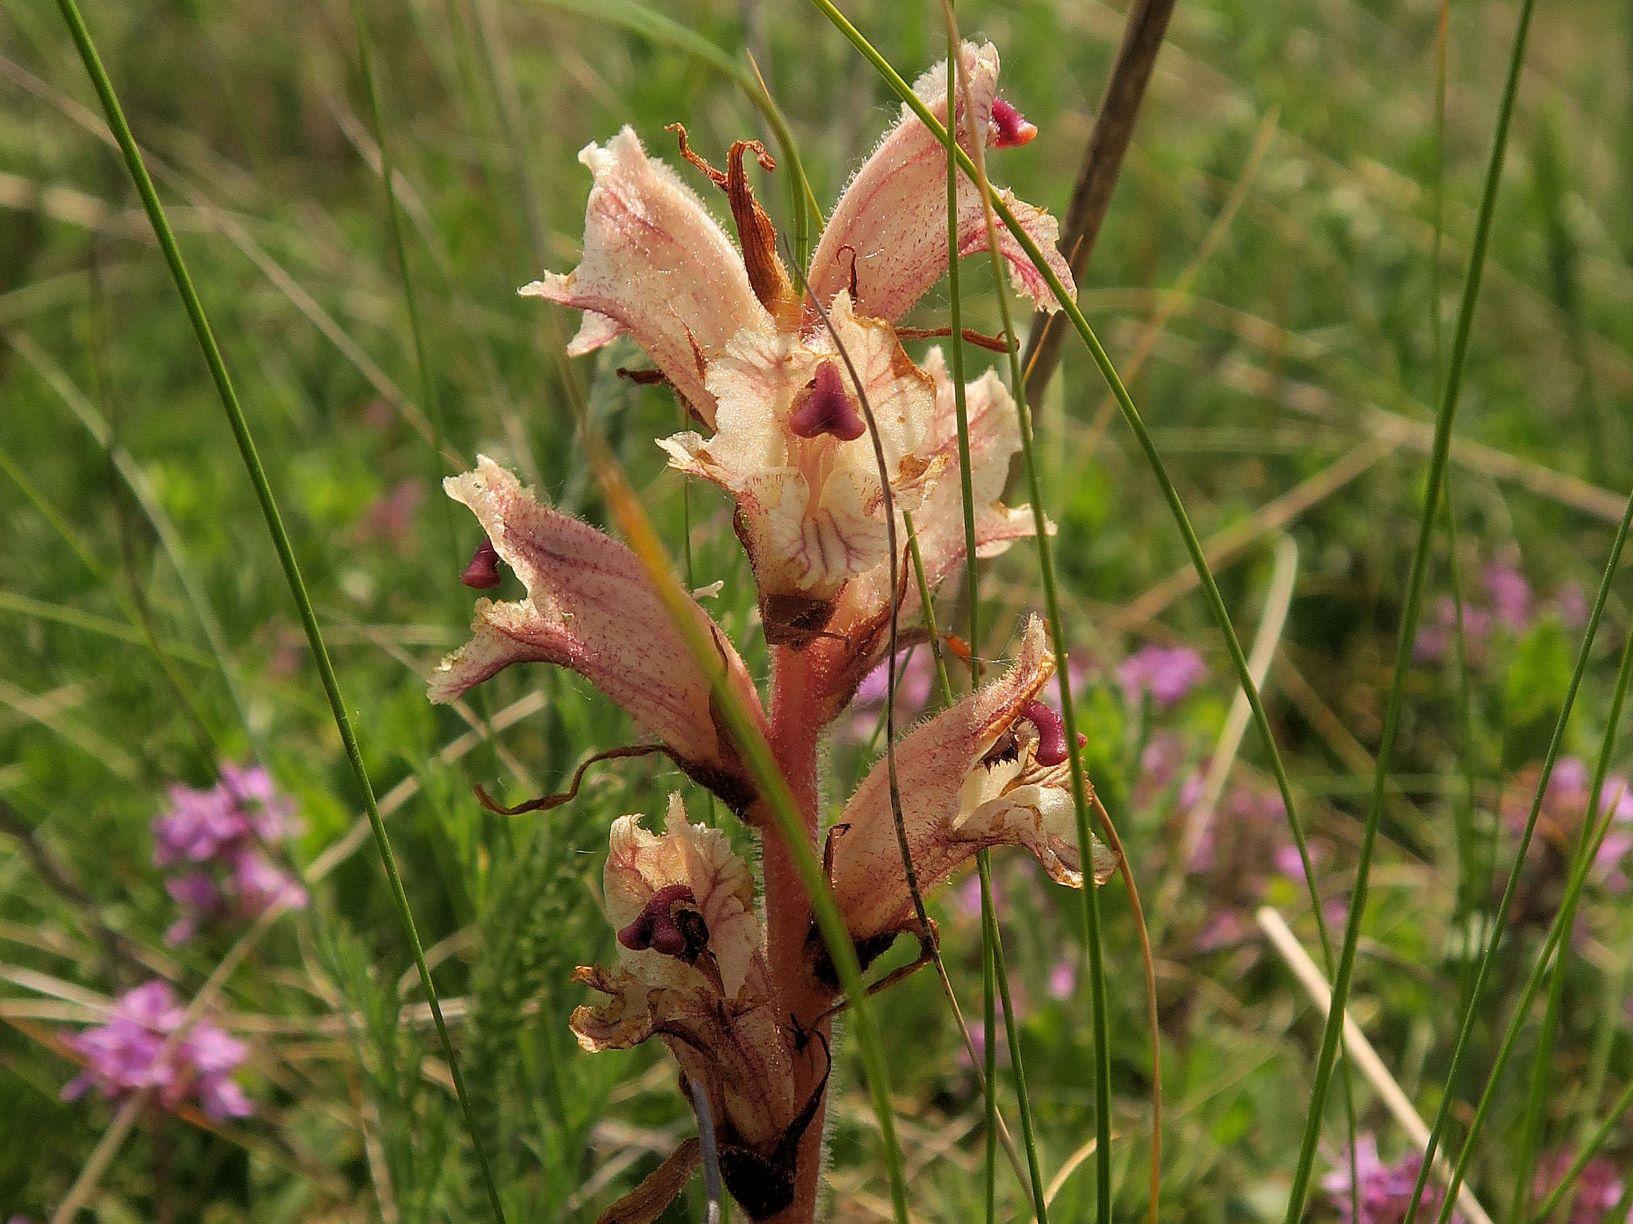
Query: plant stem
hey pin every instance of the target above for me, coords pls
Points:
(794, 737)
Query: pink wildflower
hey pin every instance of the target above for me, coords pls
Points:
(1385, 1190)
(129, 1054)
(1167, 673)
(219, 835)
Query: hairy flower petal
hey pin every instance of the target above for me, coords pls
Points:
(810, 505)
(642, 864)
(888, 233)
(862, 615)
(969, 780)
(657, 265)
(590, 607)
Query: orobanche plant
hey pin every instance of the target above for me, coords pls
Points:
(797, 391)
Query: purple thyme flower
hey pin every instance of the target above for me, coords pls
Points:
(1597, 1190)
(128, 1054)
(1385, 1190)
(221, 831)
(1565, 805)
(1510, 594)
(1168, 673)
(915, 677)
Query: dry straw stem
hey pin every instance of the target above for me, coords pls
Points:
(1360, 1050)
(1102, 163)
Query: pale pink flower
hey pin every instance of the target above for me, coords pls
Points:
(766, 374)
(990, 771)
(691, 971)
(591, 607)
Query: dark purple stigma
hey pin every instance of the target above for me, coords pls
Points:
(1012, 127)
(823, 407)
(482, 573)
(656, 927)
(1051, 732)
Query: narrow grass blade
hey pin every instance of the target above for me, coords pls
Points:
(280, 538)
(1561, 924)
(1542, 1058)
(1099, 1003)
(1444, 417)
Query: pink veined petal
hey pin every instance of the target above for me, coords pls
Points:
(955, 802)
(591, 608)
(657, 265)
(889, 230)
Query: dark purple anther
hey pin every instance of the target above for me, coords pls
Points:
(1012, 128)
(823, 407)
(483, 572)
(1051, 732)
(655, 926)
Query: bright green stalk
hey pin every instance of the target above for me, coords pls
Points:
(280, 539)
(1586, 851)
(989, 1090)
(1437, 468)
(972, 590)
(1558, 929)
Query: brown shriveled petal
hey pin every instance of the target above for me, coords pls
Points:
(734, 1049)
(590, 607)
(887, 238)
(657, 1190)
(656, 265)
(969, 779)
(755, 233)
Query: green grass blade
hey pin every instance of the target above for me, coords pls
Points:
(1589, 1150)
(1541, 1060)
(280, 538)
(1562, 919)
(1099, 1003)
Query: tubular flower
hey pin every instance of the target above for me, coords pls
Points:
(590, 607)
(789, 446)
(691, 971)
(765, 370)
(990, 771)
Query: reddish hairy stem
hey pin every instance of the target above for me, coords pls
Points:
(795, 731)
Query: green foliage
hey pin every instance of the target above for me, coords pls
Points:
(133, 594)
